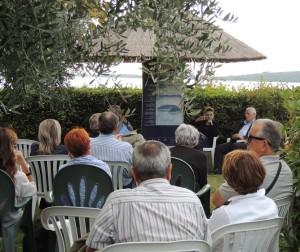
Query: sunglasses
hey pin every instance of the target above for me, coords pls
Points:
(250, 137)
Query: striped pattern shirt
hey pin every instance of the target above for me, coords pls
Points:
(109, 148)
(153, 211)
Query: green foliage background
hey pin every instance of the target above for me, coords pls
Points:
(76, 106)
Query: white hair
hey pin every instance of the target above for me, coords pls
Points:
(187, 135)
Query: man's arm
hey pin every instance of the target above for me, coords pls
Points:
(88, 249)
(217, 199)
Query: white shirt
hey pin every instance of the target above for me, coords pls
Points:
(242, 208)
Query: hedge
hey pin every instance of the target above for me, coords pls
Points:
(73, 107)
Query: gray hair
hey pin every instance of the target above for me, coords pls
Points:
(253, 110)
(150, 160)
(270, 131)
(187, 135)
(94, 122)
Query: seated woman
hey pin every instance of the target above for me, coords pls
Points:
(245, 173)
(49, 137)
(77, 142)
(10, 158)
(208, 127)
(94, 125)
(187, 137)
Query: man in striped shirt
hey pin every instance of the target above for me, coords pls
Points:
(153, 211)
(107, 147)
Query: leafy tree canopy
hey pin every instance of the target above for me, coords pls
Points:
(43, 43)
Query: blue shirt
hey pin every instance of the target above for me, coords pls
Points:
(89, 160)
(123, 130)
(109, 148)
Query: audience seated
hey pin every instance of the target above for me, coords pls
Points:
(154, 210)
(125, 131)
(10, 158)
(107, 147)
(239, 133)
(49, 138)
(264, 139)
(94, 125)
(77, 142)
(208, 128)
(245, 174)
(186, 137)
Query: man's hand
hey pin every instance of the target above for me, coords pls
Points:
(237, 136)
(88, 249)
(217, 199)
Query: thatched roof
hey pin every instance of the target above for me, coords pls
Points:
(141, 43)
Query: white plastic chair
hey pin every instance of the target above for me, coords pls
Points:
(285, 209)
(69, 223)
(196, 245)
(212, 150)
(24, 145)
(255, 236)
(118, 169)
(285, 206)
(44, 168)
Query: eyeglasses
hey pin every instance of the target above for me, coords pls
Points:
(250, 137)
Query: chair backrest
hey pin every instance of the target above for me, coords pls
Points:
(284, 206)
(212, 150)
(186, 245)
(248, 236)
(7, 194)
(24, 145)
(82, 186)
(44, 168)
(69, 223)
(182, 174)
(118, 169)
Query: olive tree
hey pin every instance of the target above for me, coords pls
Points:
(44, 43)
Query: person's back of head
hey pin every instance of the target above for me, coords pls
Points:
(94, 123)
(8, 141)
(151, 160)
(77, 142)
(243, 171)
(187, 135)
(108, 123)
(49, 136)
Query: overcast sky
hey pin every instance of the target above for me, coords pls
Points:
(270, 27)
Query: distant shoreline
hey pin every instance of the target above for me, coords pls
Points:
(286, 77)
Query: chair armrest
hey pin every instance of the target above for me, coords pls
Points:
(49, 197)
(203, 190)
(23, 202)
(207, 149)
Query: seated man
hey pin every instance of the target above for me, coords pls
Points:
(264, 139)
(239, 133)
(153, 211)
(125, 131)
(107, 147)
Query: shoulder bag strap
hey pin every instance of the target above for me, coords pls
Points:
(275, 179)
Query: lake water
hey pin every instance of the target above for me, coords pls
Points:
(136, 81)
